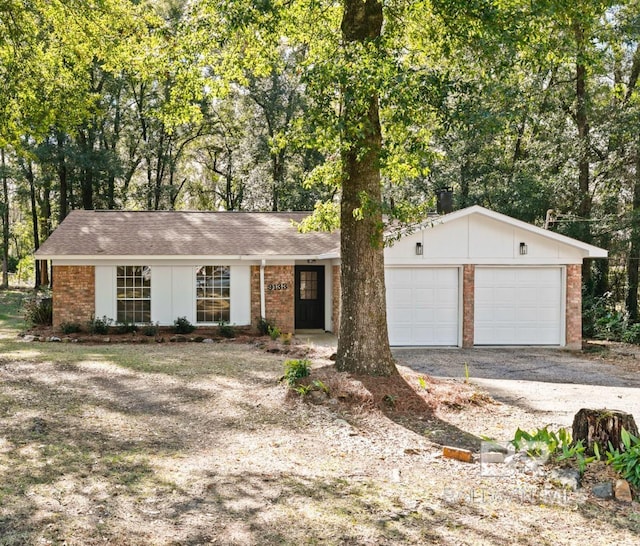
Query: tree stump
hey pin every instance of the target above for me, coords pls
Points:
(601, 427)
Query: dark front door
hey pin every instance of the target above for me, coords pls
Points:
(309, 297)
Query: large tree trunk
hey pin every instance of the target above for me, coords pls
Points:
(28, 170)
(634, 253)
(582, 122)
(363, 345)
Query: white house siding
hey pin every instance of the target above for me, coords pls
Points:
(173, 293)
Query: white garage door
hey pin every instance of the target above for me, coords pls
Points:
(422, 305)
(518, 306)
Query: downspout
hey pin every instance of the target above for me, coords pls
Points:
(262, 298)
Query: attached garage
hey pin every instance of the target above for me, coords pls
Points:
(423, 305)
(477, 277)
(519, 306)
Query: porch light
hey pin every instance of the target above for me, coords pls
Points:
(523, 249)
(418, 249)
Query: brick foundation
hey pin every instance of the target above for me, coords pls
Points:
(468, 304)
(74, 294)
(279, 304)
(335, 299)
(574, 307)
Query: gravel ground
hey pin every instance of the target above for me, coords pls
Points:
(549, 382)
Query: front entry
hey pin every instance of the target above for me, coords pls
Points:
(309, 297)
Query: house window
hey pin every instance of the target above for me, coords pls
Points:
(308, 285)
(213, 300)
(134, 293)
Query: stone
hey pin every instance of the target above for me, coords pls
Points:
(567, 478)
(29, 338)
(623, 491)
(603, 490)
(55, 339)
(492, 457)
(207, 340)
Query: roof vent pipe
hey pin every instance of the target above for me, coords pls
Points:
(444, 200)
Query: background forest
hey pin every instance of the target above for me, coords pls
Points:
(529, 109)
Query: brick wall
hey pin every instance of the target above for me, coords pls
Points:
(574, 307)
(279, 304)
(468, 304)
(335, 299)
(74, 289)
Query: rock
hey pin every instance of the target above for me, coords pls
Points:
(492, 457)
(55, 339)
(567, 478)
(29, 338)
(463, 455)
(107, 340)
(207, 340)
(603, 490)
(197, 339)
(623, 491)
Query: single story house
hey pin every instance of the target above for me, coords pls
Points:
(471, 277)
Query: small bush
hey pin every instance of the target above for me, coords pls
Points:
(632, 334)
(99, 326)
(296, 369)
(126, 327)
(70, 327)
(264, 325)
(274, 332)
(183, 326)
(627, 461)
(226, 330)
(39, 310)
(150, 329)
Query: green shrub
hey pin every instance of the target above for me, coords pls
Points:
(627, 461)
(183, 326)
(70, 327)
(99, 326)
(226, 330)
(632, 334)
(264, 325)
(126, 327)
(296, 369)
(39, 310)
(150, 329)
(274, 332)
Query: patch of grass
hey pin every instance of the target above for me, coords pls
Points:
(11, 301)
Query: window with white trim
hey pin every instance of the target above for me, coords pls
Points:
(133, 293)
(213, 293)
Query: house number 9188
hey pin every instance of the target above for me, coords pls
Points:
(278, 286)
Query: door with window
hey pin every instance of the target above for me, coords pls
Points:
(309, 297)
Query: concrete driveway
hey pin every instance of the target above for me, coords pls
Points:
(546, 381)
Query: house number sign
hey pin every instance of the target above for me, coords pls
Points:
(278, 286)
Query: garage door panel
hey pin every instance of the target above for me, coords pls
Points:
(422, 306)
(518, 306)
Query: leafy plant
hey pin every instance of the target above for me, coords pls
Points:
(545, 443)
(274, 332)
(226, 330)
(126, 327)
(626, 461)
(423, 383)
(39, 310)
(632, 334)
(70, 327)
(264, 325)
(295, 369)
(150, 329)
(99, 326)
(183, 326)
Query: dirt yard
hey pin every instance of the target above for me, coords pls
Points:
(188, 444)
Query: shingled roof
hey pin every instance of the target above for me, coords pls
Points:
(178, 233)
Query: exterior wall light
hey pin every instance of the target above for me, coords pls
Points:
(418, 249)
(523, 249)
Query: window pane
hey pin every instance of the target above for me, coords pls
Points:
(213, 293)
